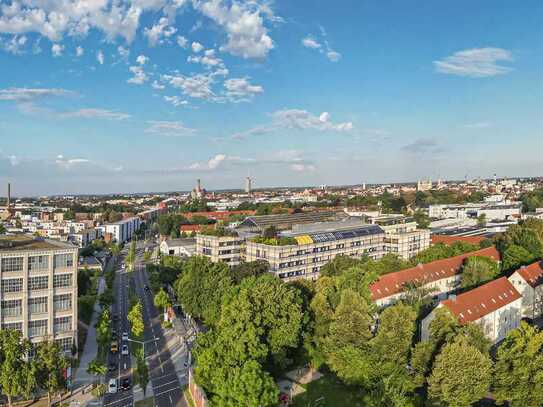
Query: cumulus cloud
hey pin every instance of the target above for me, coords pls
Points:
(197, 47)
(157, 85)
(176, 101)
(79, 51)
(302, 119)
(123, 52)
(476, 63)
(310, 42)
(160, 32)
(142, 59)
(100, 57)
(197, 86)
(15, 45)
(56, 50)
(139, 76)
(169, 128)
(240, 89)
(243, 22)
(182, 41)
(333, 56)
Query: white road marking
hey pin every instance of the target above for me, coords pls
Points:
(118, 401)
(165, 384)
(167, 391)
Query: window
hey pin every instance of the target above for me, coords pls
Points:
(12, 285)
(62, 280)
(63, 302)
(64, 260)
(38, 263)
(37, 328)
(17, 326)
(11, 264)
(65, 344)
(37, 305)
(12, 308)
(38, 283)
(63, 324)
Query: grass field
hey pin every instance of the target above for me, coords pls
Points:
(329, 391)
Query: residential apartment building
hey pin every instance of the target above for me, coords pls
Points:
(491, 210)
(228, 249)
(313, 245)
(402, 236)
(439, 278)
(528, 280)
(38, 293)
(183, 247)
(494, 306)
(123, 230)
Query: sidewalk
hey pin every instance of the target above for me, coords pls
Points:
(81, 377)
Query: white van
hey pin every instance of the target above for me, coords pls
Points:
(112, 387)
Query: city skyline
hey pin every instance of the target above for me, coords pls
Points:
(150, 95)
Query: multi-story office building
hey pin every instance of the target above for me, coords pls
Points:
(228, 249)
(402, 236)
(301, 252)
(122, 230)
(39, 289)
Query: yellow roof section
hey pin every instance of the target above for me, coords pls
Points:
(303, 239)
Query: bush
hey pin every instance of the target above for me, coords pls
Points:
(85, 307)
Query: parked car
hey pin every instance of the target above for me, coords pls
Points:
(124, 350)
(112, 367)
(125, 336)
(114, 347)
(146, 287)
(125, 385)
(112, 387)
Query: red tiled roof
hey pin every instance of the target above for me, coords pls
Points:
(475, 304)
(190, 228)
(218, 215)
(393, 283)
(451, 239)
(532, 274)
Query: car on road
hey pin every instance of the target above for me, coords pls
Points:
(123, 266)
(114, 335)
(125, 384)
(112, 387)
(146, 287)
(124, 350)
(115, 317)
(114, 347)
(125, 336)
(112, 367)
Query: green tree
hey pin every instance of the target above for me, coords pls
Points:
(96, 368)
(162, 300)
(422, 219)
(131, 256)
(16, 374)
(338, 265)
(142, 371)
(135, 317)
(516, 256)
(147, 257)
(518, 372)
(103, 330)
(50, 365)
(249, 269)
(478, 270)
(481, 220)
(2, 229)
(461, 375)
(201, 286)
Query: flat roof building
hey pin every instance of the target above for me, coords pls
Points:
(38, 295)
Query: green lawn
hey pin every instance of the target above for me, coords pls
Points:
(329, 391)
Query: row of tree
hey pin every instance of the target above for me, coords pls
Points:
(21, 376)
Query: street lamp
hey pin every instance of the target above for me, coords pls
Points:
(142, 343)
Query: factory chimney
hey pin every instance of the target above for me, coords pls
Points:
(9, 196)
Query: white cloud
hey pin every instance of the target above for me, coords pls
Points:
(302, 119)
(139, 78)
(209, 60)
(22, 95)
(214, 162)
(159, 32)
(15, 45)
(476, 63)
(157, 85)
(100, 57)
(478, 125)
(91, 113)
(124, 53)
(333, 56)
(197, 47)
(67, 163)
(310, 42)
(241, 89)
(244, 25)
(176, 101)
(197, 86)
(182, 41)
(57, 49)
(79, 51)
(169, 128)
(142, 59)
(301, 167)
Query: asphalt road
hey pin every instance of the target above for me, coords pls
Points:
(164, 379)
(122, 362)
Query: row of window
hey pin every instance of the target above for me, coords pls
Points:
(14, 308)
(14, 285)
(39, 327)
(36, 263)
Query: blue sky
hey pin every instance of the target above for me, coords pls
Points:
(148, 95)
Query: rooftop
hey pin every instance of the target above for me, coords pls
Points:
(29, 242)
(394, 283)
(532, 274)
(475, 304)
(286, 221)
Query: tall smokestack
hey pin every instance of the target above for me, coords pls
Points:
(199, 188)
(9, 196)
